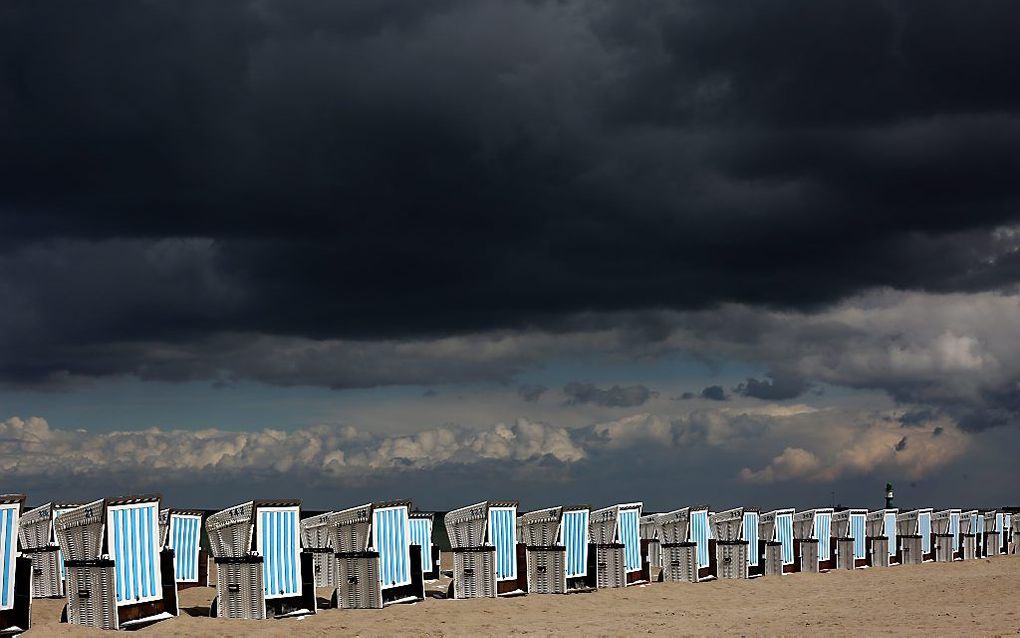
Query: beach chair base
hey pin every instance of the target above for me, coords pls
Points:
(910, 550)
(943, 548)
(653, 552)
(323, 566)
(845, 553)
(772, 565)
(991, 544)
(968, 546)
(731, 559)
(807, 551)
(46, 580)
(609, 567)
(680, 562)
(239, 593)
(91, 599)
(474, 572)
(547, 569)
(878, 551)
(358, 580)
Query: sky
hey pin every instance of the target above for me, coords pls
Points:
(747, 253)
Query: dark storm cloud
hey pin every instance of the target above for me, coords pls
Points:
(916, 418)
(714, 393)
(614, 397)
(386, 170)
(531, 392)
(776, 387)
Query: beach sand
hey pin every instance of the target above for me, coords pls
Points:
(979, 597)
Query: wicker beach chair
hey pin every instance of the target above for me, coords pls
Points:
(880, 526)
(849, 530)
(945, 527)
(484, 541)
(731, 549)
(118, 575)
(775, 542)
(812, 539)
(376, 562)
(616, 537)
(261, 570)
(15, 569)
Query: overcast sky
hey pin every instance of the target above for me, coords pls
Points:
(758, 253)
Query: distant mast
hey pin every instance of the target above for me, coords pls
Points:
(888, 496)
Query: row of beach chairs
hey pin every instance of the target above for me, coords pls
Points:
(120, 562)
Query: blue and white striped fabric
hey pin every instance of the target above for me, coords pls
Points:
(924, 529)
(954, 528)
(503, 536)
(279, 542)
(784, 532)
(9, 515)
(628, 524)
(700, 535)
(391, 538)
(185, 539)
(133, 540)
(421, 535)
(574, 532)
(751, 537)
(823, 532)
(60, 553)
(859, 530)
(890, 531)
(1000, 522)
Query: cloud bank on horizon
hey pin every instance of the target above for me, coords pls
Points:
(462, 194)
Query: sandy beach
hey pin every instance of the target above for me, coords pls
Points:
(974, 597)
